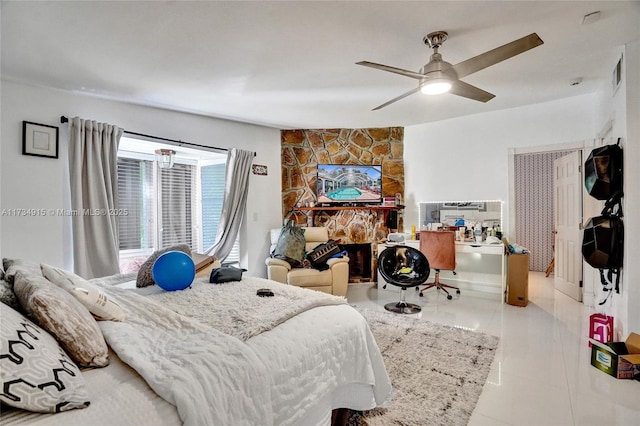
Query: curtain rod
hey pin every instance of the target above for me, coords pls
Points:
(64, 119)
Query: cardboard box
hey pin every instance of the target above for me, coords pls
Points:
(618, 359)
(517, 277)
(204, 264)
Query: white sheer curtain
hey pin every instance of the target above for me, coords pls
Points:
(93, 157)
(238, 170)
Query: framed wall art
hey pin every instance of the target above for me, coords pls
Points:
(259, 169)
(40, 140)
(466, 205)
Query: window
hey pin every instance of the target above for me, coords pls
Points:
(180, 205)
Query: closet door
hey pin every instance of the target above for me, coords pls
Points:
(567, 199)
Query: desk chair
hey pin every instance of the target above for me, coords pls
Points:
(440, 249)
(403, 267)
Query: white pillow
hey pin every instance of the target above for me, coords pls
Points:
(90, 295)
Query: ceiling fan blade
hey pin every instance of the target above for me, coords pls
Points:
(496, 55)
(395, 70)
(466, 90)
(404, 95)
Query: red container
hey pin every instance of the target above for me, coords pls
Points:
(601, 328)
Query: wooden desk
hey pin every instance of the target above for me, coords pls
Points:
(480, 269)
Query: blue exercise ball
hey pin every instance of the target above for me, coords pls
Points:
(173, 270)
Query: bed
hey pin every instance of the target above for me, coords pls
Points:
(217, 354)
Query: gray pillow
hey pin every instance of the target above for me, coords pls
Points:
(64, 317)
(11, 266)
(7, 296)
(145, 275)
(37, 375)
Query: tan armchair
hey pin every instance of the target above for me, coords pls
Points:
(334, 280)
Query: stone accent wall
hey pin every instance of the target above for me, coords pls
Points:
(303, 150)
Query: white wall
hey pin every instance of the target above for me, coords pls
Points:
(467, 158)
(623, 109)
(631, 282)
(42, 183)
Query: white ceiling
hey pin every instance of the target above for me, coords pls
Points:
(291, 64)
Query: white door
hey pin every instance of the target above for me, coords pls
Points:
(567, 200)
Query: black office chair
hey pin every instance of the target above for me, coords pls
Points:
(403, 267)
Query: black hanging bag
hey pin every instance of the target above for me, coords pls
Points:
(603, 249)
(603, 236)
(602, 243)
(603, 172)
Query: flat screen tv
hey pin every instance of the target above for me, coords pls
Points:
(344, 184)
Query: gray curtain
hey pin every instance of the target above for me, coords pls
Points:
(93, 157)
(238, 170)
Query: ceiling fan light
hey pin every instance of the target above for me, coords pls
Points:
(436, 87)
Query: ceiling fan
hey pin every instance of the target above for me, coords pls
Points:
(439, 76)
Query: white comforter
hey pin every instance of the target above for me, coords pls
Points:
(336, 364)
(209, 376)
(323, 358)
(235, 309)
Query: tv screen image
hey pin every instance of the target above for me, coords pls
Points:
(347, 183)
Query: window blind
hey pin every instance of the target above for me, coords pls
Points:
(135, 197)
(176, 206)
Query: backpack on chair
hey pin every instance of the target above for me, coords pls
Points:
(291, 245)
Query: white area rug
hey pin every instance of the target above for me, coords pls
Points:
(438, 371)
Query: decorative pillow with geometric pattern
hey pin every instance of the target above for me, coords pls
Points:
(37, 375)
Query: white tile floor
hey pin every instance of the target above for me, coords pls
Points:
(541, 374)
